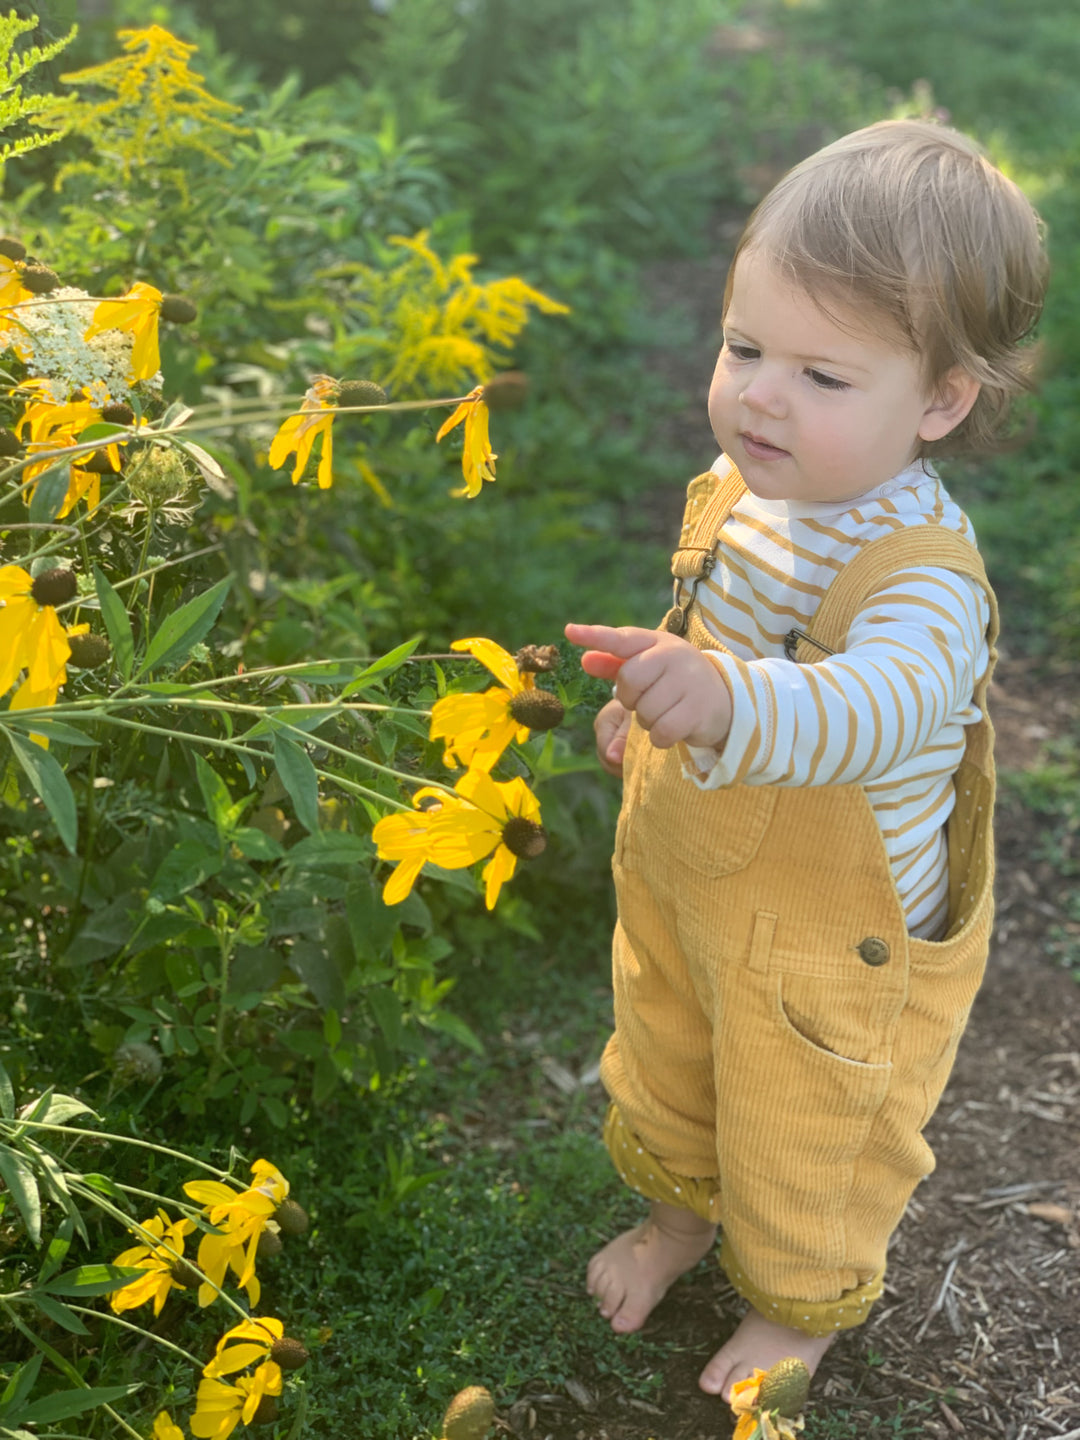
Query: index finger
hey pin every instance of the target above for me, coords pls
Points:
(625, 641)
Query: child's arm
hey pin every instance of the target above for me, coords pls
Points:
(906, 675)
(676, 692)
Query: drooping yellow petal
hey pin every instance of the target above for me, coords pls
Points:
(495, 873)
(499, 661)
(136, 313)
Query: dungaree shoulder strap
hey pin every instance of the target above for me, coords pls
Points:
(709, 501)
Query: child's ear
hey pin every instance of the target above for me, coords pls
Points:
(953, 398)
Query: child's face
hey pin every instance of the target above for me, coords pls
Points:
(809, 409)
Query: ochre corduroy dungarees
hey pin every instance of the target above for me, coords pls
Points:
(781, 1040)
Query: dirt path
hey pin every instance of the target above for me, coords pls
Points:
(979, 1330)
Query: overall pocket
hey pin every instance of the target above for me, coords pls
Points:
(709, 832)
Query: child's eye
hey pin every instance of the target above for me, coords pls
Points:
(742, 352)
(827, 382)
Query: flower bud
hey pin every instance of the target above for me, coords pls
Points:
(87, 653)
(9, 443)
(288, 1353)
(361, 392)
(178, 309)
(524, 838)
(291, 1217)
(506, 391)
(538, 709)
(53, 587)
(536, 658)
(38, 279)
(11, 248)
(117, 413)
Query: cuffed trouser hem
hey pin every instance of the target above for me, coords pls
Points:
(812, 1317)
(650, 1177)
(644, 1172)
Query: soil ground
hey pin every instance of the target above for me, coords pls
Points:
(979, 1329)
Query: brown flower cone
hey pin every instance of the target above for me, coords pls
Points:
(538, 709)
(784, 1387)
(469, 1414)
(291, 1217)
(289, 1353)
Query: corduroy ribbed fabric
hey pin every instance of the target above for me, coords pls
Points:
(779, 1034)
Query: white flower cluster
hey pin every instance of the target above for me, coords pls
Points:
(48, 338)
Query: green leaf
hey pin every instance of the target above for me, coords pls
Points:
(117, 624)
(185, 866)
(61, 1108)
(185, 627)
(330, 847)
(50, 493)
(382, 666)
(92, 1280)
(18, 1388)
(297, 774)
(66, 1403)
(51, 784)
(51, 729)
(215, 795)
(100, 430)
(59, 1313)
(7, 1095)
(59, 1245)
(20, 1179)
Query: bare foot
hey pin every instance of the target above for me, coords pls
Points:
(756, 1345)
(632, 1275)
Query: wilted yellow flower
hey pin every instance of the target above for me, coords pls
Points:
(297, 434)
(241, 1346)
(454, 831)
(478, 728)
(136, 313)
(240, 1217)
(477, 457)
(162, 1262)
(32, 637)
(220, 1407)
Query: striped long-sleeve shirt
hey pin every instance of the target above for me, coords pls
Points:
(889, 713)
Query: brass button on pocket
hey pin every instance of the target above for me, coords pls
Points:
(873, 951)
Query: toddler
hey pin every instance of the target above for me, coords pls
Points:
(803, 860)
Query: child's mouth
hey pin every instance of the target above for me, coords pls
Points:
(759, 449)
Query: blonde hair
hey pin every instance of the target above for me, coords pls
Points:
(908, 219)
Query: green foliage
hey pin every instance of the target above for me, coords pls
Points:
(15, 65)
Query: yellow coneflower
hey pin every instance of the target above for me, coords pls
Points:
(483, 817)
(220, 1407)
(240, 1217)
(50, 427)
(31, 635)
(477, 729)
(298, 433)
(477, 457)
(162, 1263)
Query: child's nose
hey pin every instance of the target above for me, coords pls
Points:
(763, 393)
